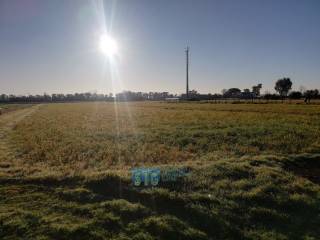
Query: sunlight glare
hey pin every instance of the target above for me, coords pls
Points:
(108, 45)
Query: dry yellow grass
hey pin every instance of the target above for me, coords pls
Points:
(94, 137)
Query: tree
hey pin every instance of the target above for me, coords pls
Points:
(246, 94)
(193, 92)
(232, 92)
(256, 89)
(309, 94)
(295, 95)
(283, 86)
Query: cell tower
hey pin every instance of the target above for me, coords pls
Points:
(187, 71)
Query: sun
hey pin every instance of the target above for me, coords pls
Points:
(108, 45)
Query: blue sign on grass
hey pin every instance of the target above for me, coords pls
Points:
(145, 176)
(152, 176)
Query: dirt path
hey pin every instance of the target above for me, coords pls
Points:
(7, 123)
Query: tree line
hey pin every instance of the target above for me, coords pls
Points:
(283, 88)
(76, 97)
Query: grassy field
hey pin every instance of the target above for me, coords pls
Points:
(254, 171)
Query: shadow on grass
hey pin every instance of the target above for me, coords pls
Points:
(256, 198)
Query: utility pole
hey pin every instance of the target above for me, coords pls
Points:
(187, 72)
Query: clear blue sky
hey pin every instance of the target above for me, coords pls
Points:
(52, 46)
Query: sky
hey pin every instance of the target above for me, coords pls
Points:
(53, 46)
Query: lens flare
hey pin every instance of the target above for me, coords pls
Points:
(108, 45)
